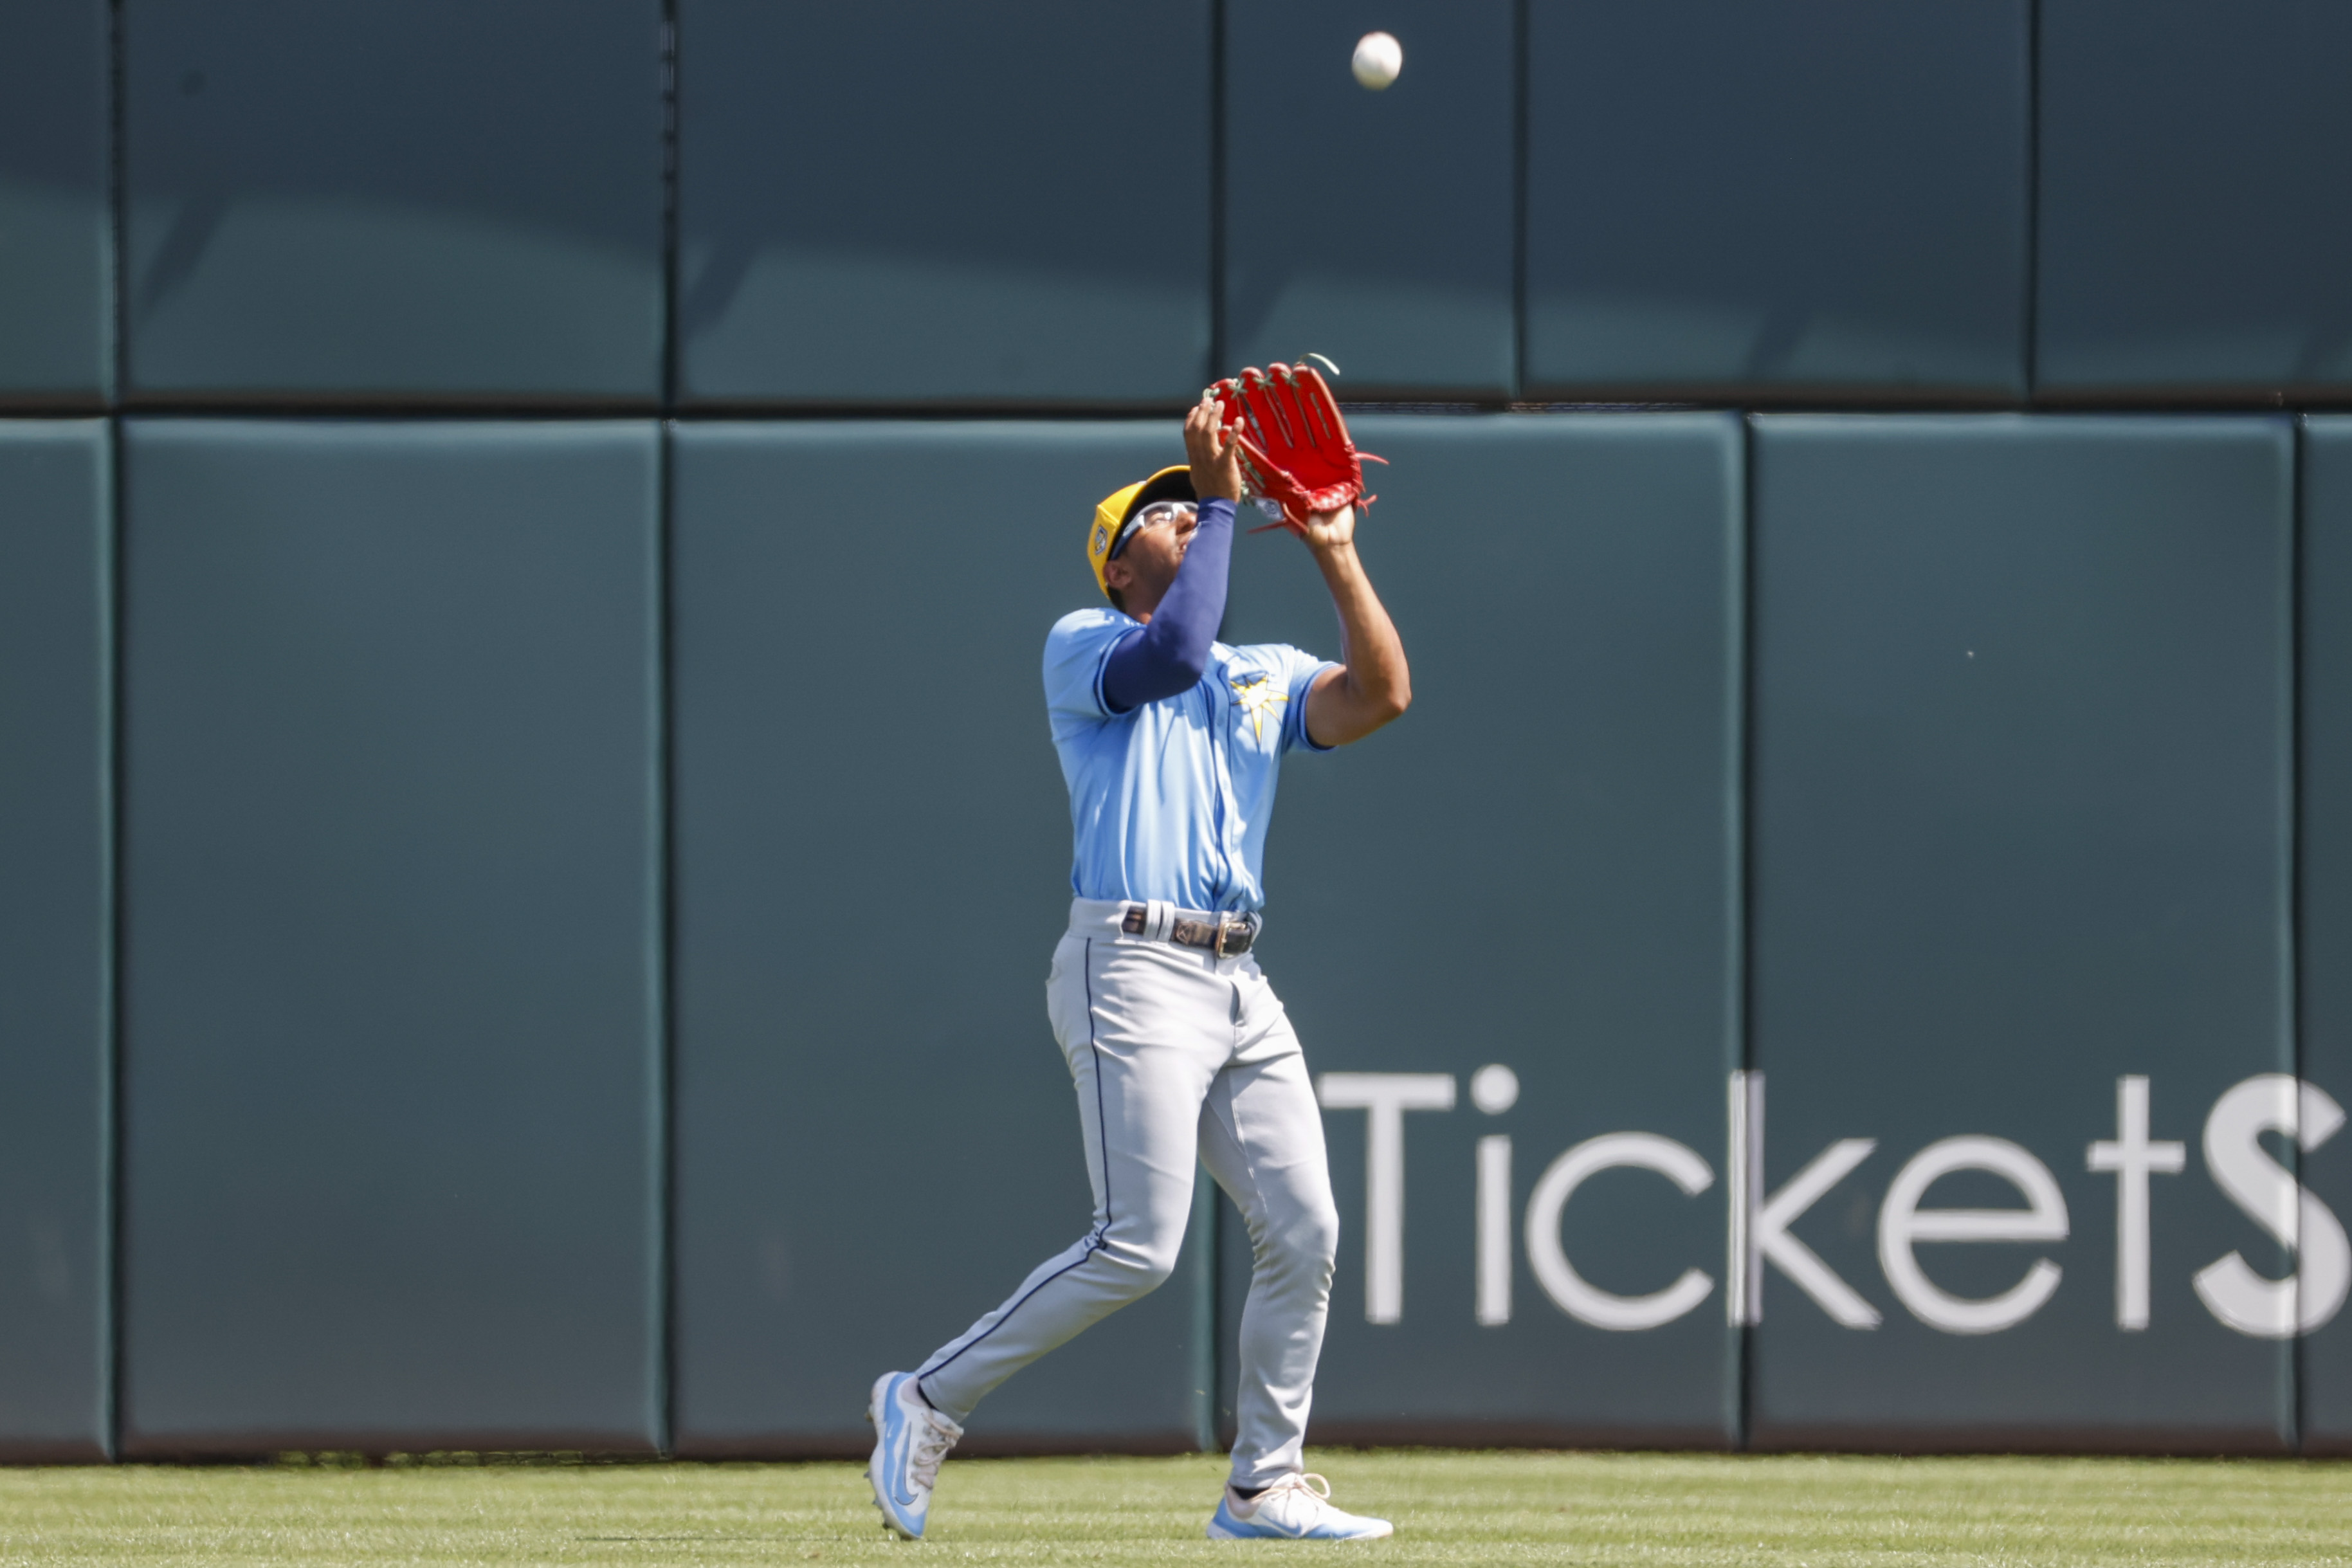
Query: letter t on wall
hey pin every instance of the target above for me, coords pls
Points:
(1386, 1096)
(2131, 1157)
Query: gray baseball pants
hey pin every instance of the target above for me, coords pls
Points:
(1176, 1053)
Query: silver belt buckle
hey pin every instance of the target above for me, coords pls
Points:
(1228, 924)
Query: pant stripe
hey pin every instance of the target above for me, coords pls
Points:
(1094, 1242)
(1102, 1133)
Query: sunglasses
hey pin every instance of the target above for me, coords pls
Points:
(1153, 516)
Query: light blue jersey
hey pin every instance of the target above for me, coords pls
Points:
(1172, 801)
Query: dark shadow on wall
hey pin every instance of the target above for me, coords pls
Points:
(182, 246)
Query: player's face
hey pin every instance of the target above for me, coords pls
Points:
(1153, 549)
(1181, 516)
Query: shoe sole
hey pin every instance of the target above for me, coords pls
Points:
(1218, 1532)
(891, 1526)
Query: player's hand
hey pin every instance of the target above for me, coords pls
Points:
(1328, 530)
(1216, 458)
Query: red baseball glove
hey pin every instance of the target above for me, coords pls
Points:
(1296, 453)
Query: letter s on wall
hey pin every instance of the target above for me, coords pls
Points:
(2242, 1298)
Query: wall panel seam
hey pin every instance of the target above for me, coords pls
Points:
(108, 1293)
(663, 1011)
(1740, 1044)
(1218, 226)
(670, 88)
(1519, 29)
(111, 521)
(2291, 849)
(2031, 321)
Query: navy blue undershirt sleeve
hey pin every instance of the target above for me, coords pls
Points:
(1170, 654)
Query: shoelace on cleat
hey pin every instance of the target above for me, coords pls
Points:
(929, 1446)
(1306, 1481)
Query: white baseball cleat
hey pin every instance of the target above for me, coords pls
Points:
(1293, 1508)
(910, 1438)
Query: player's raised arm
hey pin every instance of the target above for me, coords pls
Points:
(1374, 684)
(1167, 568)
(1297, 456)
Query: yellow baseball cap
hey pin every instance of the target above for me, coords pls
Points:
(1112, 517)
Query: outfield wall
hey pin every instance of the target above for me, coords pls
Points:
(525, 534)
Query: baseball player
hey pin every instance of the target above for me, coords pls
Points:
(1169, 741)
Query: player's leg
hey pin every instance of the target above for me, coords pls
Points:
(1262, 1138)
(1144, 1027)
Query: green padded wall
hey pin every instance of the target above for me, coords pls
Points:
(1534, 868)
(2036, 836)
(392, 978)
(55, 911)
(432, 201)
(2191, 247)
(906, 203)
(2020, 749)
(1777, 199)
(57, 315)
(2325, 868)
(873, 844)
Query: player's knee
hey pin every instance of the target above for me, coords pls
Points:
(1307, 1244)
(1322, 1239)
(1137, 1267)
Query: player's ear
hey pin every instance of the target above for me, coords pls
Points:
(1118, 574)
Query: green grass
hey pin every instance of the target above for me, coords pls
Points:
(1450, 1508)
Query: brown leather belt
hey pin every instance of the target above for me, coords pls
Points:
(1228, 936)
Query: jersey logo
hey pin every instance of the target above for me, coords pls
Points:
(1257, 698)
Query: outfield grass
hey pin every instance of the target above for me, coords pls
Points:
(1449, 1507)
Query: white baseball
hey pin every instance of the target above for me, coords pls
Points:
(1378, 58)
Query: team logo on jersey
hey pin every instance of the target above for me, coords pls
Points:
(1257, 698)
